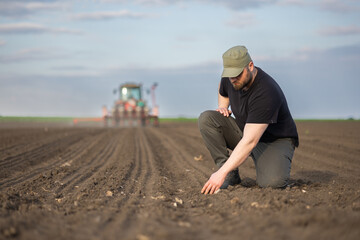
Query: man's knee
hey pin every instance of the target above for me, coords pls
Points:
(273, 163)
(205, 118)
(273, 181)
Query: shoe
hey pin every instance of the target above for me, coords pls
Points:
(231, 179)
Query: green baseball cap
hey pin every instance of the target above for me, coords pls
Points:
(235, 60)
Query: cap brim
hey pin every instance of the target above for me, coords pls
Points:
(231, 72)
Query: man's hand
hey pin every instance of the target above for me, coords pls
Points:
(214, 183)
(224, 111)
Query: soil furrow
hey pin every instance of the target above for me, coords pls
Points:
(37, 139)
(180, 158)
(37, 155)
(94, 180)
(80, 147)
(340, 143)
(13, 137)
(89, 168)
(130, 184)
(142, 189)
(179, 150)
(315, 161)
(338, 152)
(327, 161)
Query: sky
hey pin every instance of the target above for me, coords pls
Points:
(65, 58)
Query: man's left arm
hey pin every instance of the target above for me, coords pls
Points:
(251, 136)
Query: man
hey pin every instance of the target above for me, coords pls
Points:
(263, 126)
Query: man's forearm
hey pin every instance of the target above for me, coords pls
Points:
(238, 156)
(252, 134)
(223, 102)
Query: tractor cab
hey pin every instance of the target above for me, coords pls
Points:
(130, 91)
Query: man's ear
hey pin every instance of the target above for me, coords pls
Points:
(251, 66)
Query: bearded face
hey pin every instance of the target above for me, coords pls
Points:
(243, 80)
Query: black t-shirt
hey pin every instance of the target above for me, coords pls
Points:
(263, 102)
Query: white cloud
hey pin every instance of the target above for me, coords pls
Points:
(241, 20)
(304, 54)
(31, 54)
(299, 55)
(153, 2)
(110, 15)
(340, 31)
(21, 28)
(18, 8)
(232, 4)
(240, 5)
(145, 2)
(340, 6)
(336, 6)
(292, 2)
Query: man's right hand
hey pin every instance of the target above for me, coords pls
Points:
(224, 111)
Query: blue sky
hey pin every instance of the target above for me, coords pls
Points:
(64, 58)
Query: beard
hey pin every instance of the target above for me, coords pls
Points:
(241, 85)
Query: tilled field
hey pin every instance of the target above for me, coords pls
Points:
(144, 183)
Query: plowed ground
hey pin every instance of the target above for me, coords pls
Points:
(144, 183)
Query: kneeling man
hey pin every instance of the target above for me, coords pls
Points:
(262, 128)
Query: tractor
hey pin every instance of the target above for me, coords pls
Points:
(130, 109)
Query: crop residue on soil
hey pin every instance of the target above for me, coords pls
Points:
(144, 183)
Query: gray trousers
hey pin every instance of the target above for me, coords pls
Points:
(272, 160)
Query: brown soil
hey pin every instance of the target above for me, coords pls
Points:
(144, 183)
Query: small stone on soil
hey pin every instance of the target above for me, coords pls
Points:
(235, 200)
(142, 237)
(161, 197)
(178, 200)
(184, 224)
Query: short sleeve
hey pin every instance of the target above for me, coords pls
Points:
(223, 87)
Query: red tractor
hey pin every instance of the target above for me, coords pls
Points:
(131, 109)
